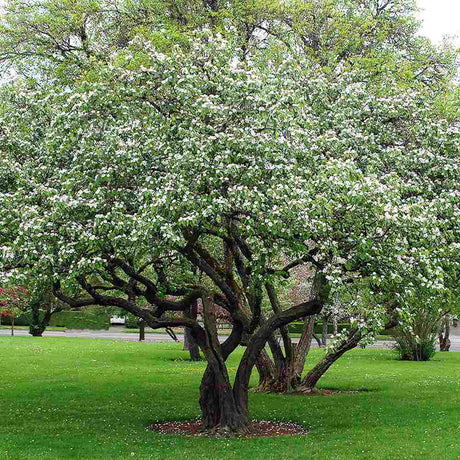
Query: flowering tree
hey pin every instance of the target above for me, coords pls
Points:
(12, 301)
(192, 175)
(126, 246)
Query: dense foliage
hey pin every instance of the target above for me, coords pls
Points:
(163, 172)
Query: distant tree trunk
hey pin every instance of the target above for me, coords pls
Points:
(444, 341)
(189, 341)
(141, 330)
(318, 340)
(191, 346)
(324, 333)
(37, 325)
(186, 339)
(12, 325)
(335, 328)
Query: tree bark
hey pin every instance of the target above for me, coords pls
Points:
(444, 341)
(302, 349)
(267, 372)
(221, 411)
(311, 379)
(274, 375)
(324, 333)
(287, 373)
(141, 330)
(258, 341)
(189, 342)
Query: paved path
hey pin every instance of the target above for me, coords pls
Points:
(117, 334)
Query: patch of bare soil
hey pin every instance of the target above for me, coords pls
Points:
(257, 428)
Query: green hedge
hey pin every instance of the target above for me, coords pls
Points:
(81, 320)
(96, 319)
(131, 321)
(297, 327)
(19, 320)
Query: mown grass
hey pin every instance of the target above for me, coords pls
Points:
(83, 398)
(26, 328)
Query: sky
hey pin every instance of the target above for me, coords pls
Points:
(440, 18)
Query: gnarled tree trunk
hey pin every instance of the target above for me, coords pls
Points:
(39, 324)
(221, 410)
(267, 372)
(302, 349)
(311, 379)
(284, 373)
(258, 341)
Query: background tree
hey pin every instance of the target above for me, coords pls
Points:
(421, 324)
(444, 333)
(40, 307)
(12, 301)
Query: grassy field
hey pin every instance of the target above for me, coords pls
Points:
(82, 398)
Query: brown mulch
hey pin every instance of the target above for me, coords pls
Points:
(257, 428)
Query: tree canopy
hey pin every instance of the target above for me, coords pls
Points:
(157, 175)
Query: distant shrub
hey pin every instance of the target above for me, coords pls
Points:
(131, 321)
(416, 337)
(81, 320)
(415, 349)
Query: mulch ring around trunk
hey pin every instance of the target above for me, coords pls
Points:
(257, 428)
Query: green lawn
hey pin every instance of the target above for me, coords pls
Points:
(26, 328)
(82, 398)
